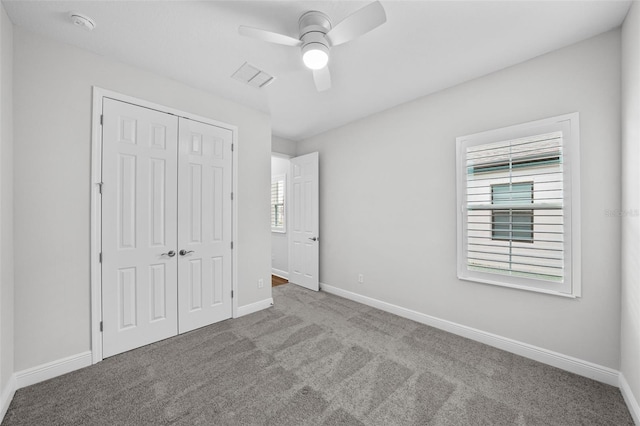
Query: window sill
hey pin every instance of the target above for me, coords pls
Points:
(519, 287)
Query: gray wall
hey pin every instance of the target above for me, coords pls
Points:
(280, 240)
(283, 146)
(630, 333)
(52, 100)
(6, 200)
(388, 201)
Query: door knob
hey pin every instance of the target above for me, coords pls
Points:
(184, 252)
(170, 254)
(314, 238)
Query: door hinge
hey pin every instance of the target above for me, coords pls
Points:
(100, 257)
(100, 325)
(101, 119)
(100, 187)
(232, 294)
(231, 245)
(231, 147)
(232, 195)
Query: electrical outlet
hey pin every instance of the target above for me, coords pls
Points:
(360, 278)
(260, 283)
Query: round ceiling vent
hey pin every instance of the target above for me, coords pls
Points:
(80, 20)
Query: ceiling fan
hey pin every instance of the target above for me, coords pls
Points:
(318, 36)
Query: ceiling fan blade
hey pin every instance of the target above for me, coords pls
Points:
(268, 36)
(357, 24)
(322, 78)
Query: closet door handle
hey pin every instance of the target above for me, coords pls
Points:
(170, 254)
(184, 252)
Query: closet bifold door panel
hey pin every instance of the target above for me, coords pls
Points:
(204, 223)
(166, 225)
(139, 226)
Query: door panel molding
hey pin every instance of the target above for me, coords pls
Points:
(99, 94)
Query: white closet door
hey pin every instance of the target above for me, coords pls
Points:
(304, 249)
(139, 199)
(204, 222)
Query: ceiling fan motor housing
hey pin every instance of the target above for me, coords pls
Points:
(313, 27)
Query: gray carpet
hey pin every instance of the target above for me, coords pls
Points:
(317, 359)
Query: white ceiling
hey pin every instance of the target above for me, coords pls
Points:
(424, 47)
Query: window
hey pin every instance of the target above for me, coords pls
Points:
(512, 225)
(518, 191)
(277, 204)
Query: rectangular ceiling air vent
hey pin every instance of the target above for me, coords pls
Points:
(252, 76)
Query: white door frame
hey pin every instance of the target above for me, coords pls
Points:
(96, 220)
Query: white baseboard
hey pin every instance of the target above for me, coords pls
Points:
(52, 369)
(280, 273)
(39, 374)
(254, 307)
(7, 396)
(630, 399)
(574, 365)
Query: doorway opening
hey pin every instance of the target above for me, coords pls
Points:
(280, 164)
(295, 239)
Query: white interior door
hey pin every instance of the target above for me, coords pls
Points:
(139, 239)
(166, 225)
(304, 241)
(204, 218)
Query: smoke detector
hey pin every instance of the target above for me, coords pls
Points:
(83, 21)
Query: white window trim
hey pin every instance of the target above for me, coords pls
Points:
(283, 178)
(569, 124)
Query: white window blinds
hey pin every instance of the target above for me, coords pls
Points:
(514, 207)
(515, 222)
(277, 204)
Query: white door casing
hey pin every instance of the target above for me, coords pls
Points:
(204, 222)
(304, 242)
(139, 206)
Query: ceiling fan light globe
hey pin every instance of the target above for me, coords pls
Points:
(315, 58)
